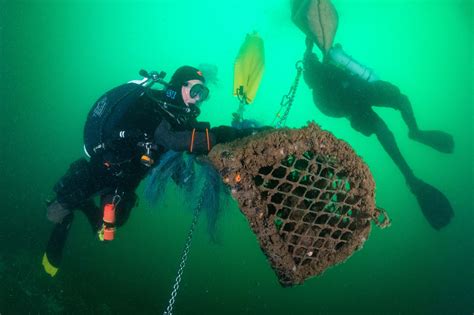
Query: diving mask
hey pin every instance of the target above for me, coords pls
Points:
(200, 90)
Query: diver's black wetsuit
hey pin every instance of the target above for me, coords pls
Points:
(117, 170)
(338, 93)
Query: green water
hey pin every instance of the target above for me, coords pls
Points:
(58, 57)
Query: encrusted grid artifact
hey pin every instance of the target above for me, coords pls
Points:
(307, 196)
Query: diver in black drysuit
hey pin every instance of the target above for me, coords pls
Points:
(338, 93)
(166, 119)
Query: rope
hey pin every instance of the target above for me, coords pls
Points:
(287, 100)
(184, 256)
(239, 114)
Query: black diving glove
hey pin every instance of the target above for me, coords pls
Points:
(227, 134)
(199, 141)
(196, 138)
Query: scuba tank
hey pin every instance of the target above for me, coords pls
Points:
(110, 108)
(106, 113)
(341, 59)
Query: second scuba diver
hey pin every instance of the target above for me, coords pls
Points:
(344, 88)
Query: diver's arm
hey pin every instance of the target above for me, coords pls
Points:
(309, 55)
(198, 139)
(227, 134)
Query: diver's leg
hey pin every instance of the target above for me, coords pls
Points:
(75, 187)
(124, 208)
(435, 206)
(54, 249)
(382, 93)
(72, 191)
(437, 139)
(385, 94)
(93, 214)
(368, 122)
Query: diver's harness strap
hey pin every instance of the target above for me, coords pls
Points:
(144, 144)
(287, 100)
(120, 135)
(179, 114)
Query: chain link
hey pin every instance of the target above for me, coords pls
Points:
(287, 100)
(280, 120)
(184, 256)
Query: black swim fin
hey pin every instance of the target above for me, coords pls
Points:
(54, 250)
(436, 139)
(435, 206)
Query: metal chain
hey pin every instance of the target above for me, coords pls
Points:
(287, 100)
(184, 256)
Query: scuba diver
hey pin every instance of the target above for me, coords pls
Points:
(127, 129)
(344, 88)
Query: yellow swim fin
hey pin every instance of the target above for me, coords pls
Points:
(248, 68)
(48, 267)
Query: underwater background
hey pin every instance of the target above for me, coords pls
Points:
(58, 57)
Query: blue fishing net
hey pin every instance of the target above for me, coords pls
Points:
(194, 178)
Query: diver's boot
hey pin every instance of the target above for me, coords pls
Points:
(436, 139)
(54, 250)
(435, 206)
